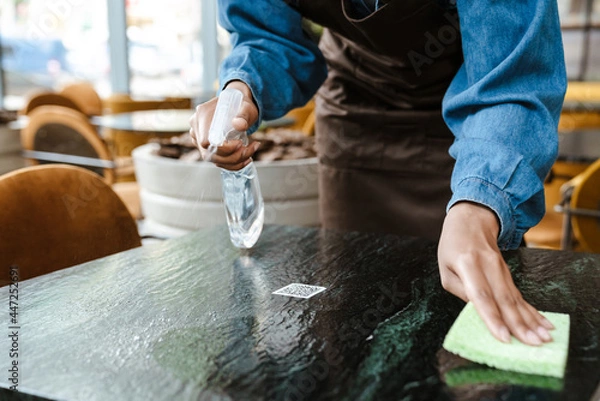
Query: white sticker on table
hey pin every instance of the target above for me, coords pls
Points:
(298, 290)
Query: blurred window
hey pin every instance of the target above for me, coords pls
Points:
(165, 52)
(580, 21)
(46, 44)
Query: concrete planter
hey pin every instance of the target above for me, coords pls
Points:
(10, 150)
(186, 196)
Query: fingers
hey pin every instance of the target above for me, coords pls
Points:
(193, 135)
(479, 292)
(502, 307)
(523, 320)
(247, 115)
(540, 324)
(227, 149)
(237, 159)
(234, 167)
(541, 319)
(231, 155)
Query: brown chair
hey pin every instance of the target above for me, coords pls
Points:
(85, 97)
(304, 118)
(309, 124)
(56, 134)
(48, 99)
(548, 233)
(580, 204)
(56, 216)
(66, 132)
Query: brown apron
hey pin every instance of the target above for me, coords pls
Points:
(382, 142)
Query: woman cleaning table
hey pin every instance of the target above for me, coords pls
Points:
(435, 118)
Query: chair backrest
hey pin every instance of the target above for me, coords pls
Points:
(48, 99)
(303, 118)
(85, 96)
(56, 216)
(60, 130)
(586, 196)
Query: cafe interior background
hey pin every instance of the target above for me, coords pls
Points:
(109, 86)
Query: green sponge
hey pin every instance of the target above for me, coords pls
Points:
(469, 338)
(478, 374)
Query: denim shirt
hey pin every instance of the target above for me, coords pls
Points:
(502, 106)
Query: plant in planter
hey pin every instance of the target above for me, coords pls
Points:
(181, 193)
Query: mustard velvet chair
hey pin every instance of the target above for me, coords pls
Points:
(39, 99)
(303, 119)
(84, 96)
(56, 216)
(580, 204)
(56, 134)
(549, 232)
(63, 131)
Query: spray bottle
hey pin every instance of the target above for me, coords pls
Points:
(244, 206)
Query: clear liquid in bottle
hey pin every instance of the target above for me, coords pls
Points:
(244, 205)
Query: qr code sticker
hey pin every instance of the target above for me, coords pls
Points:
(297, 290)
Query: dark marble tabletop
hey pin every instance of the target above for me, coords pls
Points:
(195, 319)
(167, 121)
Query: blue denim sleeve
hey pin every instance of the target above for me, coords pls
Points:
(271, 53)
(503, 107)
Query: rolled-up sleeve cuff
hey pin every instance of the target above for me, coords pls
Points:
(247, 79)
(477, 190)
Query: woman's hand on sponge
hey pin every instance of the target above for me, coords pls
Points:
(472, 268)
